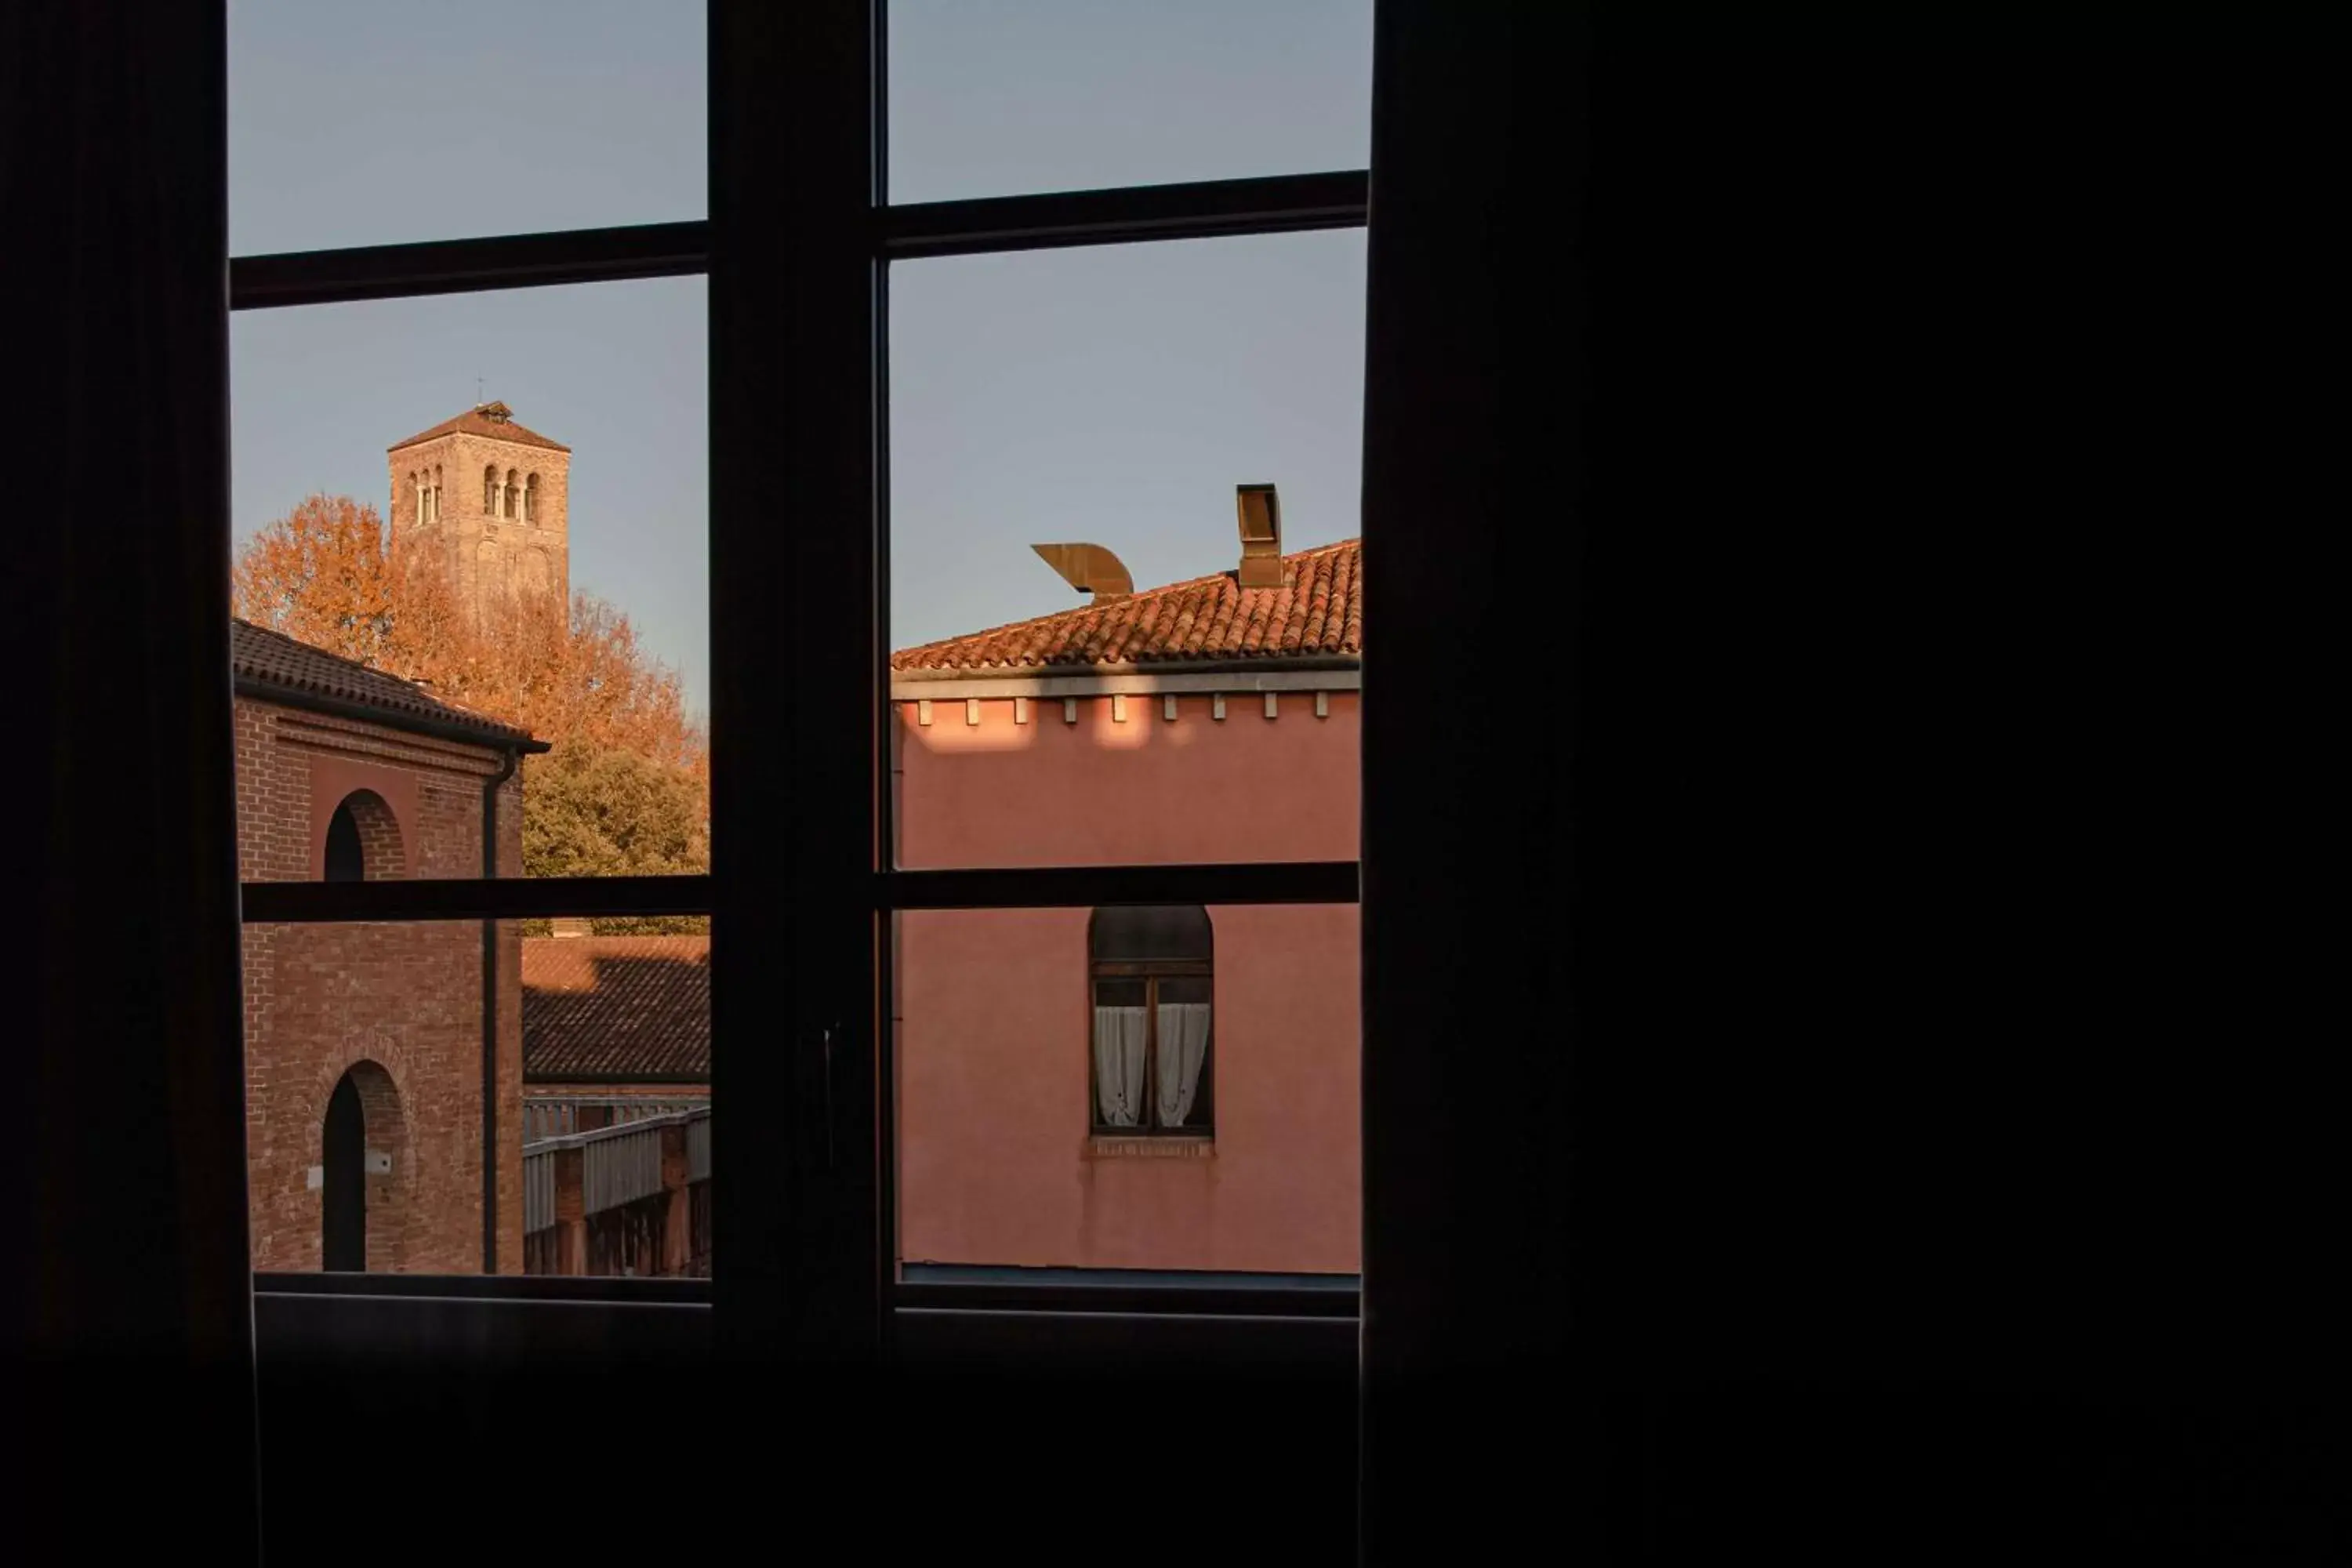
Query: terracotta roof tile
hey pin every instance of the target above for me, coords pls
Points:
(612, 1008)
(271, 665)
(492, 419)
(1317, 612)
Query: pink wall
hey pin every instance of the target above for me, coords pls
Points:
(997, 1164)
(1100, 793)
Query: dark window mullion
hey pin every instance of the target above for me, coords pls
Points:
(1282, 204)
(1073, 887)
(468, 266)
(1129, 214)
(466, 897)
(797, 738)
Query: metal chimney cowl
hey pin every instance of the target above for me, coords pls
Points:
(1259, 512)
(1090, 569)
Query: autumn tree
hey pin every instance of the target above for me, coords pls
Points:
(565, 673)
(320, 576)
(625, 790)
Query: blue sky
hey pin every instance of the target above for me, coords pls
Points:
(1111, 394)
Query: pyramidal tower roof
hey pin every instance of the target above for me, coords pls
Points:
(495, 420)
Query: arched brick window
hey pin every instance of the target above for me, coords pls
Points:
(363, 841)
(530, 499)
(514, 496)
(344, 1186)
(1150, 971)
(364, 1187)
(490, 491)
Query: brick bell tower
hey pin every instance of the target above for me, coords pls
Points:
(489, 497)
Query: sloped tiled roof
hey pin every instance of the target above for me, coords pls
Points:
(1318, 611)
(479, 421)
(613, 1008)
(274, 666)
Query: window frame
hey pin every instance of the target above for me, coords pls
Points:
(796, 103)
(1205, 1097)
(1151, 971)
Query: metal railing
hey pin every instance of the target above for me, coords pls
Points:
(538, 1190)
(622, 1166)
(560, 1118)
(619, 1164)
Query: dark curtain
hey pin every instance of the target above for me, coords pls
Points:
(1476, 385)
(1843, 884)
(130, 1311)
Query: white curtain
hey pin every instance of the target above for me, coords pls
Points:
(1183, 1047)
(1118, 1065)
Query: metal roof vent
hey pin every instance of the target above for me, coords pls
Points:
(1090, 569)
(1260, 512)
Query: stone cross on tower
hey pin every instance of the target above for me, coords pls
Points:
(488, 495)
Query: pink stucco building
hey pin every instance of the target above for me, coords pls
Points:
(1175, 1088)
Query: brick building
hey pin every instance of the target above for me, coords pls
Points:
(372, 1049)
(616, 1103)
(492, 499)
(1168, 1088)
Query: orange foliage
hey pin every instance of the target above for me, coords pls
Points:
(320, 575)
(567, 674)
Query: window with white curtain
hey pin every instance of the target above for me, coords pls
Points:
(1153, 990)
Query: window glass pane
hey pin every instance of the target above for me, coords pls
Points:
(365, 1053)
(1229, 1149)
(435, 574)
(1188, 690)
(615, 1113)
(446, 119)
(1044, 95)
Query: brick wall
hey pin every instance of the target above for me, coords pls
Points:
(397, 1006)
(487, 554)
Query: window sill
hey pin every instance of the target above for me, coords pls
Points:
(1112, 1146)
(687, 1291)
